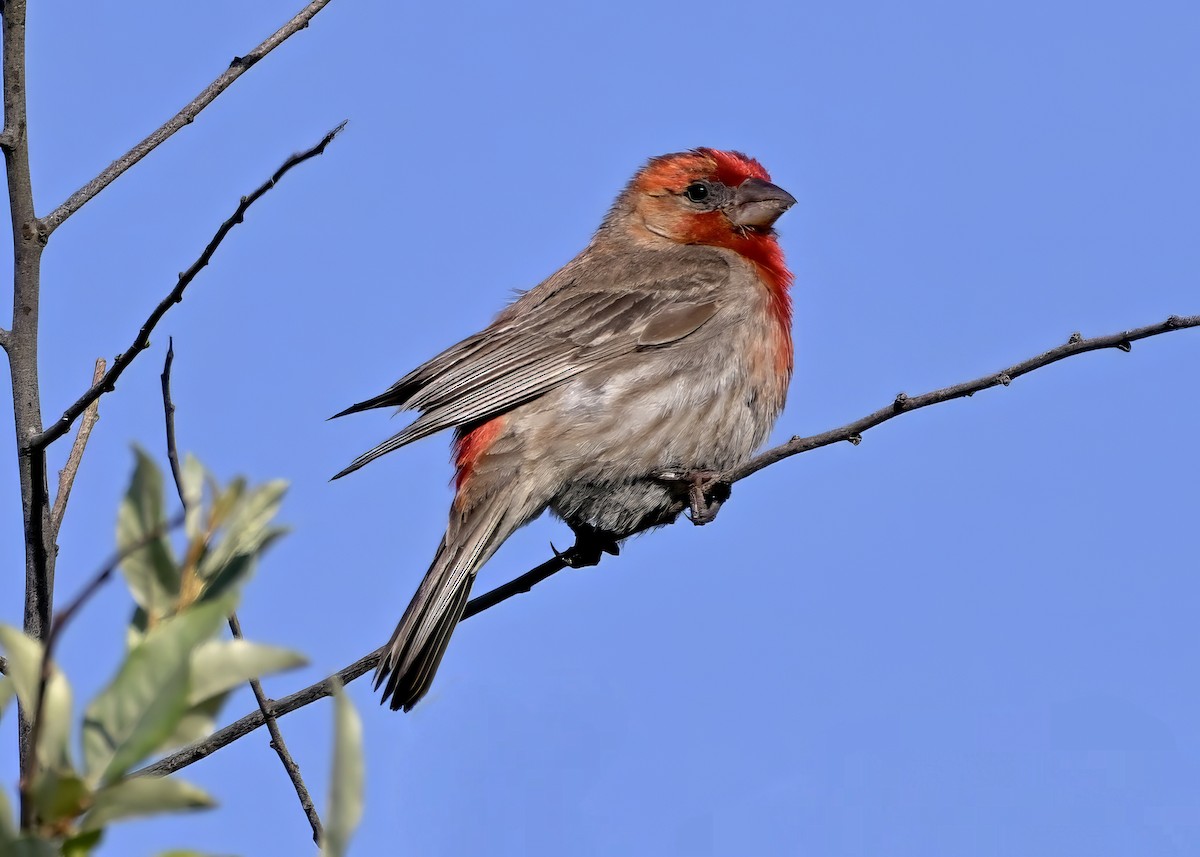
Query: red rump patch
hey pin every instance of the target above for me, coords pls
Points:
(469, 446)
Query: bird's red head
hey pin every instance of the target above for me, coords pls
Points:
(717, 198)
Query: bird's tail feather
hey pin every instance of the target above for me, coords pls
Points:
(419, 642)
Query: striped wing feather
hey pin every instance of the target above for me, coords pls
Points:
(531, 349)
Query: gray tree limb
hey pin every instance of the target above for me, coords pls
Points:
(21, 340)
(851, 432)
(904, 403)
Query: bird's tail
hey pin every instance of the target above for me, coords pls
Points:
(419, 642)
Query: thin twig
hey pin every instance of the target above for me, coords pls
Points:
(66, 476)
(169, 415)
(184, 117)
(235, 626)
(142, 341)
(61, 618)
(850, 432)
(903, 403)
(266, 708)
(516, 586)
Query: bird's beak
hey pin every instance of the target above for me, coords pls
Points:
(758, 204)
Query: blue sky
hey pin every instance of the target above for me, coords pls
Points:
(973, 634)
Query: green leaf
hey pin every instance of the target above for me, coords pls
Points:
(82, 844)
(247, 531)
(227, 577)
(191, 475)
(249, 520)
(151, 572)
(346, 789)
(7, 693)
(24, 677)
(135, 631)
(142, 796)
(221, 665)
(225, 501)
(24, 664)
(60, 797)
(8, 825)
(225, 672)
(198, 722)
(144, 703)
(28, 846)
(54, 740)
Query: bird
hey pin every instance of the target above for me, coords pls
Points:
(613, 394)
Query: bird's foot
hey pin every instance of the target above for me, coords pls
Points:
(590, 545)
(705, 491)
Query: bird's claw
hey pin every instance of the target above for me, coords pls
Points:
(590, 545)
(705, 491)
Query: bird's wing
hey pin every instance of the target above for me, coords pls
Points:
(525, 354)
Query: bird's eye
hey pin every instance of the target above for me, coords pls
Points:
(696, 192)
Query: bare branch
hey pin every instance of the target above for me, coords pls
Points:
(21, 341)
(235, 626)
(66, 476)
(3, 665)
(266, 708)
(169, 415)
(184, 117)
(904, 403)
(517, 586)
(851, 432)
(4, 338)
(63, 424)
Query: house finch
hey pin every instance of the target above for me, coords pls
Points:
(612, 394)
